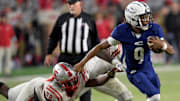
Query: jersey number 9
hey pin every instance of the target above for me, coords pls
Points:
(139, 54)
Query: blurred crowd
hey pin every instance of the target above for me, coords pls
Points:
(32, 22)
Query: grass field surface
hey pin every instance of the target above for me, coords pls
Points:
(169, 77)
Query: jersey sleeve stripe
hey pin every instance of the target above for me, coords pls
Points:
(117, 51)
(114, 52)
(85, 77)
(56, 92)
(53, 93)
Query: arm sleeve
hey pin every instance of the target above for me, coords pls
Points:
(112, 41)
(26, 93)
(54, 37)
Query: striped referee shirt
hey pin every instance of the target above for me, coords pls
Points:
(76, 34)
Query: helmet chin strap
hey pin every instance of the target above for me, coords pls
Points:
(145, 27)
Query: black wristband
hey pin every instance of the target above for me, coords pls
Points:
(111, 74)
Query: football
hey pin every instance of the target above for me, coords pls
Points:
(153, 46)
(152, 38)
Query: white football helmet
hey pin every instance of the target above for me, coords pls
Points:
(65, 75)
(133, 12)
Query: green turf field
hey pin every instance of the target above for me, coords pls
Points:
(170, 84)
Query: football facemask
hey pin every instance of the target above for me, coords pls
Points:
(66, 76)
(136, 13)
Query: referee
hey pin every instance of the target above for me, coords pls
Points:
(76, 31)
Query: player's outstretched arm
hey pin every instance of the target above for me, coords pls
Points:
(105, 55)
(101, 79)
(103, 45)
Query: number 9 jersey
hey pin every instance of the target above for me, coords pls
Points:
(135, 49)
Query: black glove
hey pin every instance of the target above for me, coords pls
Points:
(111, 74)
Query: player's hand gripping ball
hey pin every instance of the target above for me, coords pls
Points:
(155, 44)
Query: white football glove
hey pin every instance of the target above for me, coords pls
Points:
(118, 66)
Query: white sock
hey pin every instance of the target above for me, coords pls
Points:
(154, 98)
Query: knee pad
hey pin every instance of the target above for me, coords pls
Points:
(154, 98)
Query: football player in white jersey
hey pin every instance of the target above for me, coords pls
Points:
(64, 85)
(113, 87)
(95, 67)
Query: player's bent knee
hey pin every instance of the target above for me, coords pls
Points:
(154, 98)
(124, 96)
(127, 96)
